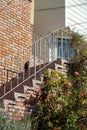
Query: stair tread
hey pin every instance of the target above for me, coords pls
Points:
(6, 102)
(17, 94)
(27, 88)
(64, 68)
(37, 82)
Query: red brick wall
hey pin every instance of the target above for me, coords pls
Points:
(15, 34)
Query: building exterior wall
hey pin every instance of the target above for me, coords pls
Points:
(49, 15)
(15, 34)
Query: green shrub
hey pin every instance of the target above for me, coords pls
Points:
(7, 124)
(64, 106)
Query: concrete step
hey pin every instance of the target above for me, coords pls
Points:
(26, 88)
(60, 67)
(37, 83)
(64, 61)
(19, 95)
(7, 102)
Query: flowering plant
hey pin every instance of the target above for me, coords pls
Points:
(63, 105)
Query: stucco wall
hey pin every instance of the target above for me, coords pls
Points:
(49, 15)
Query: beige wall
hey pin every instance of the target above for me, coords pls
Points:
(48, 15)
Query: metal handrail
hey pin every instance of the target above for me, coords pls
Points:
(43, 52)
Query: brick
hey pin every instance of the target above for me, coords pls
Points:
(15, 30)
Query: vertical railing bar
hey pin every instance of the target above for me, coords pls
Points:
(69, 45)
(23, 64)
(29, 61)
(11, 71)
(62, 48)
(5, 77)
(49, 46)
(2, 76)
(48, 50)
(58, 47)
(67, 42)
(57, 44)
(40, 54)
(17, 68)
(44, 50)
(66, 46)
(53, 47)
(62, 44)
(34, 59)
(58, 54)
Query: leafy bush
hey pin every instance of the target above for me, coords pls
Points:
(7, 124)
(64, 104)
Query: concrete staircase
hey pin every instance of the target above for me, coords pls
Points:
(24, 102)
(62, 68)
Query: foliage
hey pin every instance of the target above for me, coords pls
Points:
(64, 106)
(7, 124)
(80, 47)
(64, 102)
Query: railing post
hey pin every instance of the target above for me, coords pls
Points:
(62, 48)
(53, 47)
(62, 44)
(40, 53)
(23, 64)
(17, 69)
(44, 50)
(29, 61)
(69, 45)
(50, 47)
(11, 70)
(5, 77)
(34, 59)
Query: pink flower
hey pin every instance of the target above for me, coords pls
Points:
(76, 73)
(81, 94)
